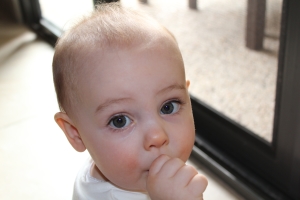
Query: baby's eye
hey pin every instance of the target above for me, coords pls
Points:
(119, 121)
(170, 107)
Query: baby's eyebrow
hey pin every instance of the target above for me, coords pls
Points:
(172, 87)
(109, 102)
(114, 101)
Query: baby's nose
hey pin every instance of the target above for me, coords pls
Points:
(156, 137)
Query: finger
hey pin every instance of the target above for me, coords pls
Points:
(171, 167)
(185, 175)
(157, 164)
(198, 185)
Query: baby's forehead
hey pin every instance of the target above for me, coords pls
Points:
(102, 59)
(148, 38)
(115, 66)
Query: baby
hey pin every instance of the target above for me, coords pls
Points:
(121, 88)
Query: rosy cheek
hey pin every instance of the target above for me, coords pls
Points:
(130, 163)
(124, 163)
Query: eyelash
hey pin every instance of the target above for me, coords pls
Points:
(180, 102)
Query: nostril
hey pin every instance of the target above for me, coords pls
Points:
(158, 145)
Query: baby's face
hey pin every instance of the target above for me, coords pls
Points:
(135, 107)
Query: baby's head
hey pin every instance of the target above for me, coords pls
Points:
(110, 27)
(120, 83)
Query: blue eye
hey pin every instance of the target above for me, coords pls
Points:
(119, 121)
(170, 107)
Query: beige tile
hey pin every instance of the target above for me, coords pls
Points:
(36, 160)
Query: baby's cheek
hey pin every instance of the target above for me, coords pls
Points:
(128, 174)
(130, 163)
(127, 164)
(186, 147)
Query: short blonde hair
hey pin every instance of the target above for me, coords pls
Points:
(110, 25)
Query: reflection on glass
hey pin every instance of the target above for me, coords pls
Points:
(62, 12)
(236, 81)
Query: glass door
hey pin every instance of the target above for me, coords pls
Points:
(249, 121)
(235, 75)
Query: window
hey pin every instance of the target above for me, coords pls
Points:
(269, 166)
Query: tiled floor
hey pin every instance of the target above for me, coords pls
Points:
(36, 161)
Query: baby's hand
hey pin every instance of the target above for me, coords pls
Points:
(170, 179)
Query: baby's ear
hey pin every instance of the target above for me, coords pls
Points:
(188, 84)
(71, 132)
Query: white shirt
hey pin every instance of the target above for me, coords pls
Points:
(87, 187)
